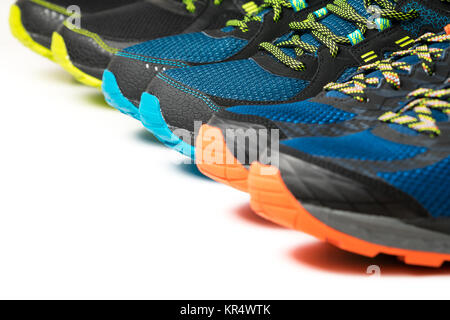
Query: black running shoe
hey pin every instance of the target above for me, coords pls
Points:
(328, 46)
(85, 52)
(33, 22)
(132, 69)
(383, 190)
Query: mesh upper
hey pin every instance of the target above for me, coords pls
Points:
(347, 74)
(139, 21)
(192, 47)
(300, 112)
(88, 6)
(427, 17)
(430, 186)
(363, 146)
(246, 81)
(238, 80)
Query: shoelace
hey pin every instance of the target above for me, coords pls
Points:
(276, 5)
(342, 9)
(190, 4)
(423, 101)
(391, 67)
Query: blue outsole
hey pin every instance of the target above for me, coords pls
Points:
(115, 98)
(153, 120)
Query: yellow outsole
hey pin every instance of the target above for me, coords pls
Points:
(19, 32)
(61, 56)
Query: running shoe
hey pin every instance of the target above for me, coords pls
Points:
(33, 22)
(325, 47)
(86, 51)
(132, 69)
(348, 107)
(384, 190)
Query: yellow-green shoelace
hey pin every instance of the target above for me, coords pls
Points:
(341, 8)
(276, 5)
(420, 110)
(391, 67)
(190, 4)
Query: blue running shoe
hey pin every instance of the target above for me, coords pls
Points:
(328, 46)
(348, 107)
(132, 69)
(383, 190)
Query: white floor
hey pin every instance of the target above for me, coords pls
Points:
(91, 206)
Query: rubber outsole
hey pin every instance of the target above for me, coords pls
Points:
(153, 120)
(214, 159)
(272, 200)
(115, 98)
(20, 33)
(61, 56)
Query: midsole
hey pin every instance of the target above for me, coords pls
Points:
(383, 231)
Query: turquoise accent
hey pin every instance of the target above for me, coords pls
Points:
(298, 5)
(153, 120)
(321, 12)
(383, 23)
(115, 98)
(151, 60)
(355, 37)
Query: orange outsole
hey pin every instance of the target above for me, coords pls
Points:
(271, 199)
(214, 159)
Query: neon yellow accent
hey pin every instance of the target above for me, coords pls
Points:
(91, 35)
(250, 7)
(61, 56)
(402, 40)
(368, 54)
(19, 32)
(407, 43)
(52, 6)
(371, 58)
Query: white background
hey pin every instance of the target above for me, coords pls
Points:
(92, 206)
